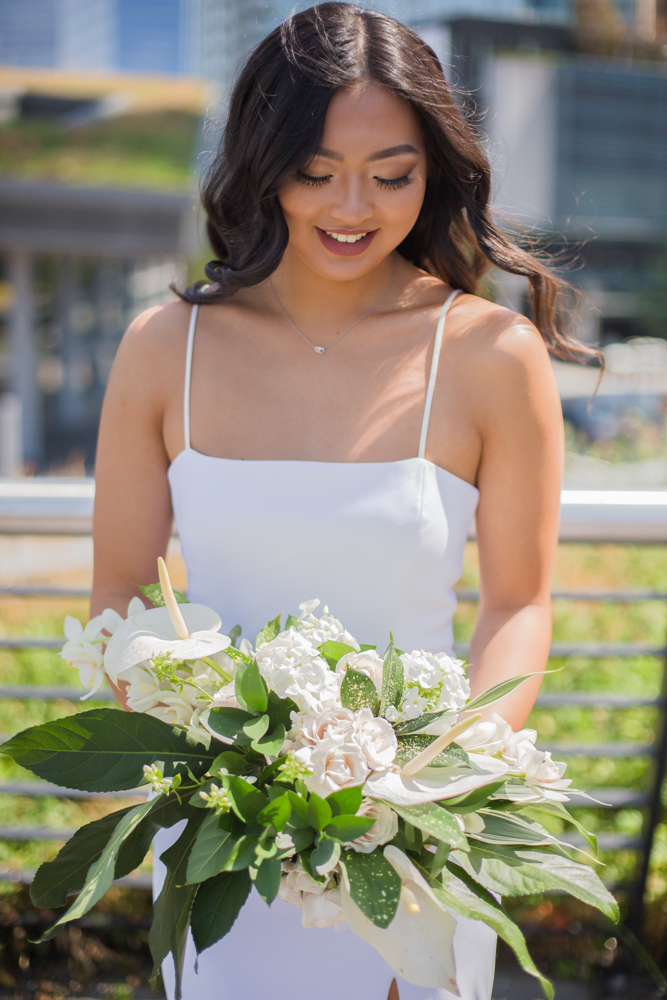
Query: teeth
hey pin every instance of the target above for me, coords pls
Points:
(344, 238)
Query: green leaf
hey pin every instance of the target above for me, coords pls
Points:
(66, 874)
(217, 905)
(472, 801)
(347, 828)
(411, 746)
(325, 855)
(100, 875)
(332, 651)
(319, 812)
(235, 634)
(246, 800)
(434, 821)
(506, 828)
(416, 725)
(235, 763)
(558, 809)
(210, 851)
(277, 812)
(291, 622)
(280, 710)
(171, 910)
(269, 632)
(522, 871)
(271, 744)
(460, 894)
(392, 680)
(499, 691)
(375, 886)
(363, 646)
(229, 722)
(105, 749)
(267, 880)
(346, 800)
(358, 691)
(251, 690)
(256, 727)
(153, 591)
(243, 853)
(299, 817)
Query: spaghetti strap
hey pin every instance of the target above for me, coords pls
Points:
(437, 343)
(188, 376)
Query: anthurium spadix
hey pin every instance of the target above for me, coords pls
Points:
(181, 631)
(419, 942)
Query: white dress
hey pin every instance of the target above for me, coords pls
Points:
(381, 544)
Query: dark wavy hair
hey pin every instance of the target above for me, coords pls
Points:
(275, 125)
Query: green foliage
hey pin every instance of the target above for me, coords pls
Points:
(375, 886)
(507, 828)
(358, 691)
(247, 801)
(217, 905)
(210, 851)
(333, 651)
(269, 632)
(392, 680)
(499, 691)
(347, 828)
(153, 591)
(434, 821)
(105, 750)
(251, 690)
(412, 745)
(346, 800)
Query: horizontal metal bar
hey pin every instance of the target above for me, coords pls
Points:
(614, 798)
(34, 833)
(25, 877)
(41, 789)
(26, 642)
(37, 591)
(601, 749)
(591, 650)
(596, 699)
(611, 596)
(38, 693)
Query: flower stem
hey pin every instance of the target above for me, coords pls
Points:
(214, 666)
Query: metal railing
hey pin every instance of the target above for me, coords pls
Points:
(587, 516)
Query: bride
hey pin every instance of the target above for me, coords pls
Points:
(326, 414)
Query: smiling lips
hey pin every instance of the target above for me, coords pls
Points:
(346, 244)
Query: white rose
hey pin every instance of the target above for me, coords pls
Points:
(297, 878)
(368, 662)
(335, 720)
(322, 910)
(383, 830)
(335, 764)
(376, 737)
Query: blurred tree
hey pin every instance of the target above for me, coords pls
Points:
(653, 303)
(599, 27)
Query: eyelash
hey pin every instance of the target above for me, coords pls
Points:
(391, 185)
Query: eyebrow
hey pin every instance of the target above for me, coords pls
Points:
(382, 154)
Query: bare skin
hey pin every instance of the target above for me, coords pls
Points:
(260, 392)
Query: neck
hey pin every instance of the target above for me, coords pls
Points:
(314, 302)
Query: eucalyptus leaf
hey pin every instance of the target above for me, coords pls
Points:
(251, 690)
(229, 722)
(319, 812)
(280, 710)
(256, 727)
(524, 871)
(412, 745)
(153, 591)
(434, 821)
(346, 828)
(375, 885)
(269, 632)
(325, 856)
(217, 905)
(272, 743)
(105, 749)
(358, 691)
(392, 680)
(346, 800)
(234, 763)
(499, 691)
(267, 879)
(461, 894)
(100, 875)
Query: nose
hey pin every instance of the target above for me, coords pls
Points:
(351, 206)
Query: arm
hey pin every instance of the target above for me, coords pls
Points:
(133, 517)
(517, 519)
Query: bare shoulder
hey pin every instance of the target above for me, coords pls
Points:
(161, 329)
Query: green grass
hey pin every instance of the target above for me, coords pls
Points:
(141, 150)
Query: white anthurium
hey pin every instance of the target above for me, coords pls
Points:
(181, 631)
(402, 791)
(419, 942)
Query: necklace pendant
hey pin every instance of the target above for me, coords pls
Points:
(319, 350)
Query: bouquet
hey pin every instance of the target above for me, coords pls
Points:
(310, 768)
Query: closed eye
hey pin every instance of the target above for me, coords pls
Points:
(312, 181)
(395, 183)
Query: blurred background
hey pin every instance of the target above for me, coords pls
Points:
(109, 110)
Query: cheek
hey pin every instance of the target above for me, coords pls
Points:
(299, 203)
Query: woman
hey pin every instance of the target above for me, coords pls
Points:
(349, 404)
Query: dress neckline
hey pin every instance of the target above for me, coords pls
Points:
(316, 462)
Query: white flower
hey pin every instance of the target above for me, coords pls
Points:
(485, 737)
(413, 704)
(418, 943)
(322, 629)
(376, 737)
(284, 842)
(225, 697)
(321, 906)
(296, 877)
(173, 709)
(469, 822)
(407, 791)
(383, 830)
(545, 775)
(333, 721)
(292, 667)
(83, 651)
(335, 765)
(368, 662)
(433, 682)
(143, 692)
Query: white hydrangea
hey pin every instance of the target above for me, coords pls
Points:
(292, 667)
(433, 682)
(322, 629)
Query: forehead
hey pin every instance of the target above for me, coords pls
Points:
(361, 120)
